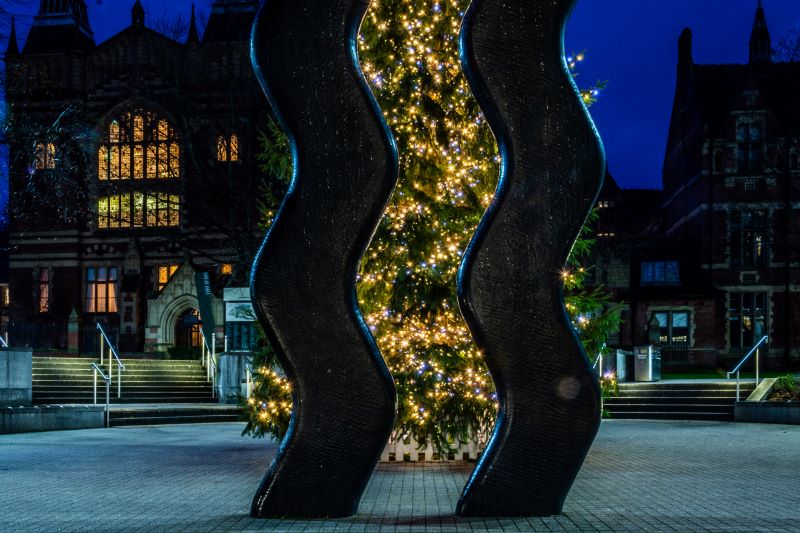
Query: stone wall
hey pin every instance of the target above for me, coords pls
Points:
(16, 373)
(51, 418)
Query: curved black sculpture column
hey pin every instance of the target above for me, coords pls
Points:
(510, 289)
(303, 280)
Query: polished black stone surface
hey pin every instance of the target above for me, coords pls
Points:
(303, 282)
(510, 287)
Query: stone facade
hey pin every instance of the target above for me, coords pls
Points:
(716, 254)
(128, 158)
(163, 312)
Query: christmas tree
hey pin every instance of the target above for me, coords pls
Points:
(449, 167)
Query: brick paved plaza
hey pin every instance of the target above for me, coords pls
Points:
(639, 476)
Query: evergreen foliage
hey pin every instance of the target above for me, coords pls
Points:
(449, 166)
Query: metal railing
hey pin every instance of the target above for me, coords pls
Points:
(598, 362)
(105, 341)
(107, 379)
(208, 357)
(755, 349)
(4, 340)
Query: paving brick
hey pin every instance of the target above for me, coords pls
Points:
(639, 476)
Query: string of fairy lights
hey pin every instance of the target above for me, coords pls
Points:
(448, 172)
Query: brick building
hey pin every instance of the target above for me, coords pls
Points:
(133, 178)
(718, 266)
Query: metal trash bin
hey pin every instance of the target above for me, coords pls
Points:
(647, 364)
(622, 366)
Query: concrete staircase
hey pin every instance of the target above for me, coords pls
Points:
(677, 400)
(68, 380)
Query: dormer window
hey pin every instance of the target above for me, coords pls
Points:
(45, 156)
(228, 148)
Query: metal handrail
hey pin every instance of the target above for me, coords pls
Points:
(599, 359)
(4, 340)
(107, 379)
(208, 356)
(755, 349)
(112, 351)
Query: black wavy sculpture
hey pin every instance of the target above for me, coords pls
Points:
(509, 285)
(303, 279)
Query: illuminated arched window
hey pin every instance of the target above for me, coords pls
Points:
(228, 148)
(45, 158)
(139, 150)
(139, 145)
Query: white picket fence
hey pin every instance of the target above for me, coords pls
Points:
(407, 450)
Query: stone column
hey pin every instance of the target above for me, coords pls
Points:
(73, 329)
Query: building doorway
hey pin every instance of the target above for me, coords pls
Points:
(187, 330)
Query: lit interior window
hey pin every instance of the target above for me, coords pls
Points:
(44, 290)
(228, 148)
(165, 273)
(137, 210)
(139, 146)
(45, 156)
(234, 148)
(226, 268)
(101, 290)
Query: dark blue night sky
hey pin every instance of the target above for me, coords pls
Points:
(630, 43)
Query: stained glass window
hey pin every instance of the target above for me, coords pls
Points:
(136, 210)
(45, 156)
(140, 146)
(228, 148)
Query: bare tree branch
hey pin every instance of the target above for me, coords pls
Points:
(788, 47)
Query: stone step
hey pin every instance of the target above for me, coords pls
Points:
(101, 400)
(676, 401)
(673, 408)
(66, 360)
(143, 375)
(71, 380)
(140, 417)
(88, 364)
(88, 381)
(668, 385)
(646, 400)
(666, 415)
(626, 393)
(126, 398)
(56, 389)
(164, 420)
(75, 362)
(139, 398)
